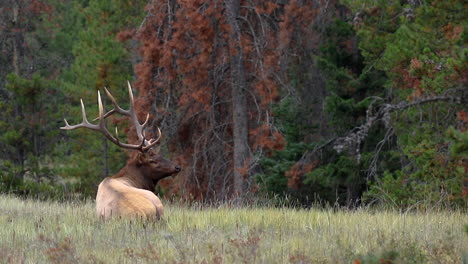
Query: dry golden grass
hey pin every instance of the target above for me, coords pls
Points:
(48, 232)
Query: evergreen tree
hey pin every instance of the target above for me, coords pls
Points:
(420, 48)
(99, 60)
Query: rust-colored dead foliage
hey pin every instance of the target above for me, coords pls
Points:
(40, 7)
(184, 79)
(264, 138)
(453, 32)
(295, 173)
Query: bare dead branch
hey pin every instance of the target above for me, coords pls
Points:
(351, 142)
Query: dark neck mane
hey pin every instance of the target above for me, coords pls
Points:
(135, 175)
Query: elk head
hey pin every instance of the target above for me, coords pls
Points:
(154, 165)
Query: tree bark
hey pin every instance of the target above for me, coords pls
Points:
(239, 101)
(15, 60)
(353, 193)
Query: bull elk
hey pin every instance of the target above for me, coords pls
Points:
(129, 193)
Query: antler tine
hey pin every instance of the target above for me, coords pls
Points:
(116, 108)
(85, 123)
(83, 111)
(140, 127)
(100, 107)
(131, 112)
(146, 122)
(106, 132)
(153, 142)
(103, 128)
(130, 94)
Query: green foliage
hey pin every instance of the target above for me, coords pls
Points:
(405, 52)
(353, 87)
(58, 34)
(36, 182)
(27, 128)
(344, 113)
(422, 54)
(435, 176)
(350, 83)
(427, 46)
(76, 52)
(342, 170)
(272, 180)
(100, 60)
(459, 139)
(28, 136)
(289, 112)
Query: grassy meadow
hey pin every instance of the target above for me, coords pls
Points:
(51, 232)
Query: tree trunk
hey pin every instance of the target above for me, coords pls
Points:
(353, 194)
(239, 101)
(15, 60)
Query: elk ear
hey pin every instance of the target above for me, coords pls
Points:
(141, 158)
(156, 149)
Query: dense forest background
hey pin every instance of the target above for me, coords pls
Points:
(316, 102)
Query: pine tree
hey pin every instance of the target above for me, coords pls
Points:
(419, 47)
(99, 60)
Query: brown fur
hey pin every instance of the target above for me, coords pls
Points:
(129, 193)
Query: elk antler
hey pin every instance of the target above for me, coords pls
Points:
(144, 144)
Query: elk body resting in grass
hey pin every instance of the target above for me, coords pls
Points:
(129, 193)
